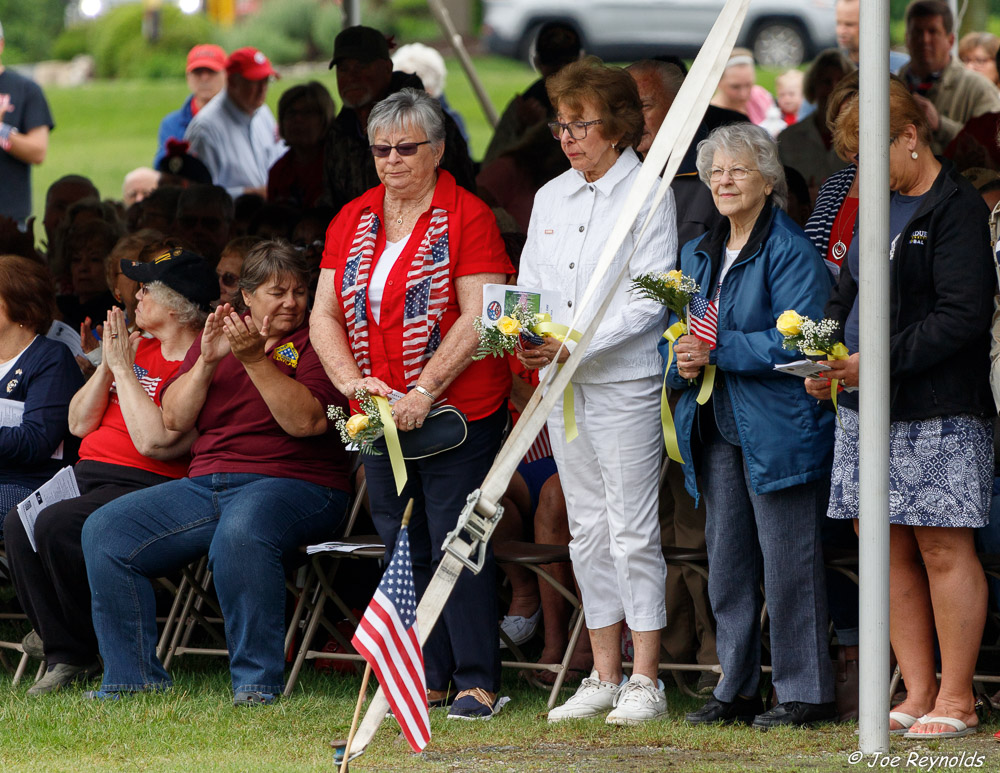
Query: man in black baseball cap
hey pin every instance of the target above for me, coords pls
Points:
(182, 271)
(365, 77)
(366, 44)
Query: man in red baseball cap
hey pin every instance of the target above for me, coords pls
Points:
(235, 136)
(206, 68)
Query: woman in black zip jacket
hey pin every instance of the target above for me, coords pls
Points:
(941, 456)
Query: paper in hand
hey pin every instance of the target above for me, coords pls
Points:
(803, 368)
(61, 486)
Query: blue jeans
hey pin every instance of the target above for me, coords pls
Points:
(777, 535)
(246, 523)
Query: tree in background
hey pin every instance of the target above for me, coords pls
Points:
(30, 27)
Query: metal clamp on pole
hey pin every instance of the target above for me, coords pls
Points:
(479, 528)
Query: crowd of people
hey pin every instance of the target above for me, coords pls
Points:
(265, 269)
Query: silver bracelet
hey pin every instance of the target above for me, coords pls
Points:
(425, 392)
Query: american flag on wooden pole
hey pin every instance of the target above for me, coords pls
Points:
(703, 319)
(387, 638)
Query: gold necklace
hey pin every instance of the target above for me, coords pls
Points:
(410, 210)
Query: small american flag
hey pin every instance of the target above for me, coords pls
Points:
(387, 638)
(149, 383)
(541, 448)
(703, 319)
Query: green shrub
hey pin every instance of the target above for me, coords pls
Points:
(73, 41)
(287, 30)
(120, 49)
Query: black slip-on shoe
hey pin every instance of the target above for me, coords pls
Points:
(796, 713)
(742, 710)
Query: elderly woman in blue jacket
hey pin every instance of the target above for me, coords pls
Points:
(759, 449)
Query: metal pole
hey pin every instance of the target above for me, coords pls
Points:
(448, 27)
(352, 13)
(874, 381)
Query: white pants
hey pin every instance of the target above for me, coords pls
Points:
(610, 476)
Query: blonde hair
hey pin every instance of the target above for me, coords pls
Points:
(903, 111)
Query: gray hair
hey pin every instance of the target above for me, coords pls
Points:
(185, 311)
(408, 107)
(744, 140)
(671, 76)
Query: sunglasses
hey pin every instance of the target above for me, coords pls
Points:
(229, 279)
(404, 149)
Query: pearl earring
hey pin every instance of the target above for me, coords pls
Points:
(914, 155)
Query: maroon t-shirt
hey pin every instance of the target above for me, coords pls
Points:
(237, 432)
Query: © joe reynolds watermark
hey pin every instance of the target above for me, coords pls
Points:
(917, 759)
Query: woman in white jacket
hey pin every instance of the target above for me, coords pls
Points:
(610, 471)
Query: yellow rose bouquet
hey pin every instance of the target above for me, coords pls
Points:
(672, 289)
(361, 429)
(816, 340)
(509, 333)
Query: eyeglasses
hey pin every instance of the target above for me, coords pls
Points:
(577, 129)
(403, 148)
(735, 173)
(229, 279)
(143, 291)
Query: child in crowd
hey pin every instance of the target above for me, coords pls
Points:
(788, 87)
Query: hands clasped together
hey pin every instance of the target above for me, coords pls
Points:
(408, 412)
(119, 346)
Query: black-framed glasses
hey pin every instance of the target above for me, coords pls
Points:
(577, 129)
(229, 279)
(403, 148)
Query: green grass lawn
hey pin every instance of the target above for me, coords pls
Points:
(107, 128)
(194, 727)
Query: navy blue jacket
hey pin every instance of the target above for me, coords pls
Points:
(786, 437)
(45, 378)
(173, 125)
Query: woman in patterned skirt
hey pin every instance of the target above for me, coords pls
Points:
(941, 454)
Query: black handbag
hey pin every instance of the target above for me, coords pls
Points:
(445, 428)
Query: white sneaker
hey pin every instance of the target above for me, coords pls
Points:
(593, 698)
(519, 629)
(638, 701)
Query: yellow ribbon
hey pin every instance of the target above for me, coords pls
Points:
(392, 442)
(554, 329)
(562, 332)
(672, 333)
(707, 385)
(839, 353)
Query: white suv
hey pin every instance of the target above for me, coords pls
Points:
(780, 32)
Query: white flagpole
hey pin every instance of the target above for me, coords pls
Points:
(874, 393)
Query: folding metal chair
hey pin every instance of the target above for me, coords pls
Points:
(15, 646)
(534, 556)
(317, 589)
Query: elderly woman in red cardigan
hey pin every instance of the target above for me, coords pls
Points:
(402, 280)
